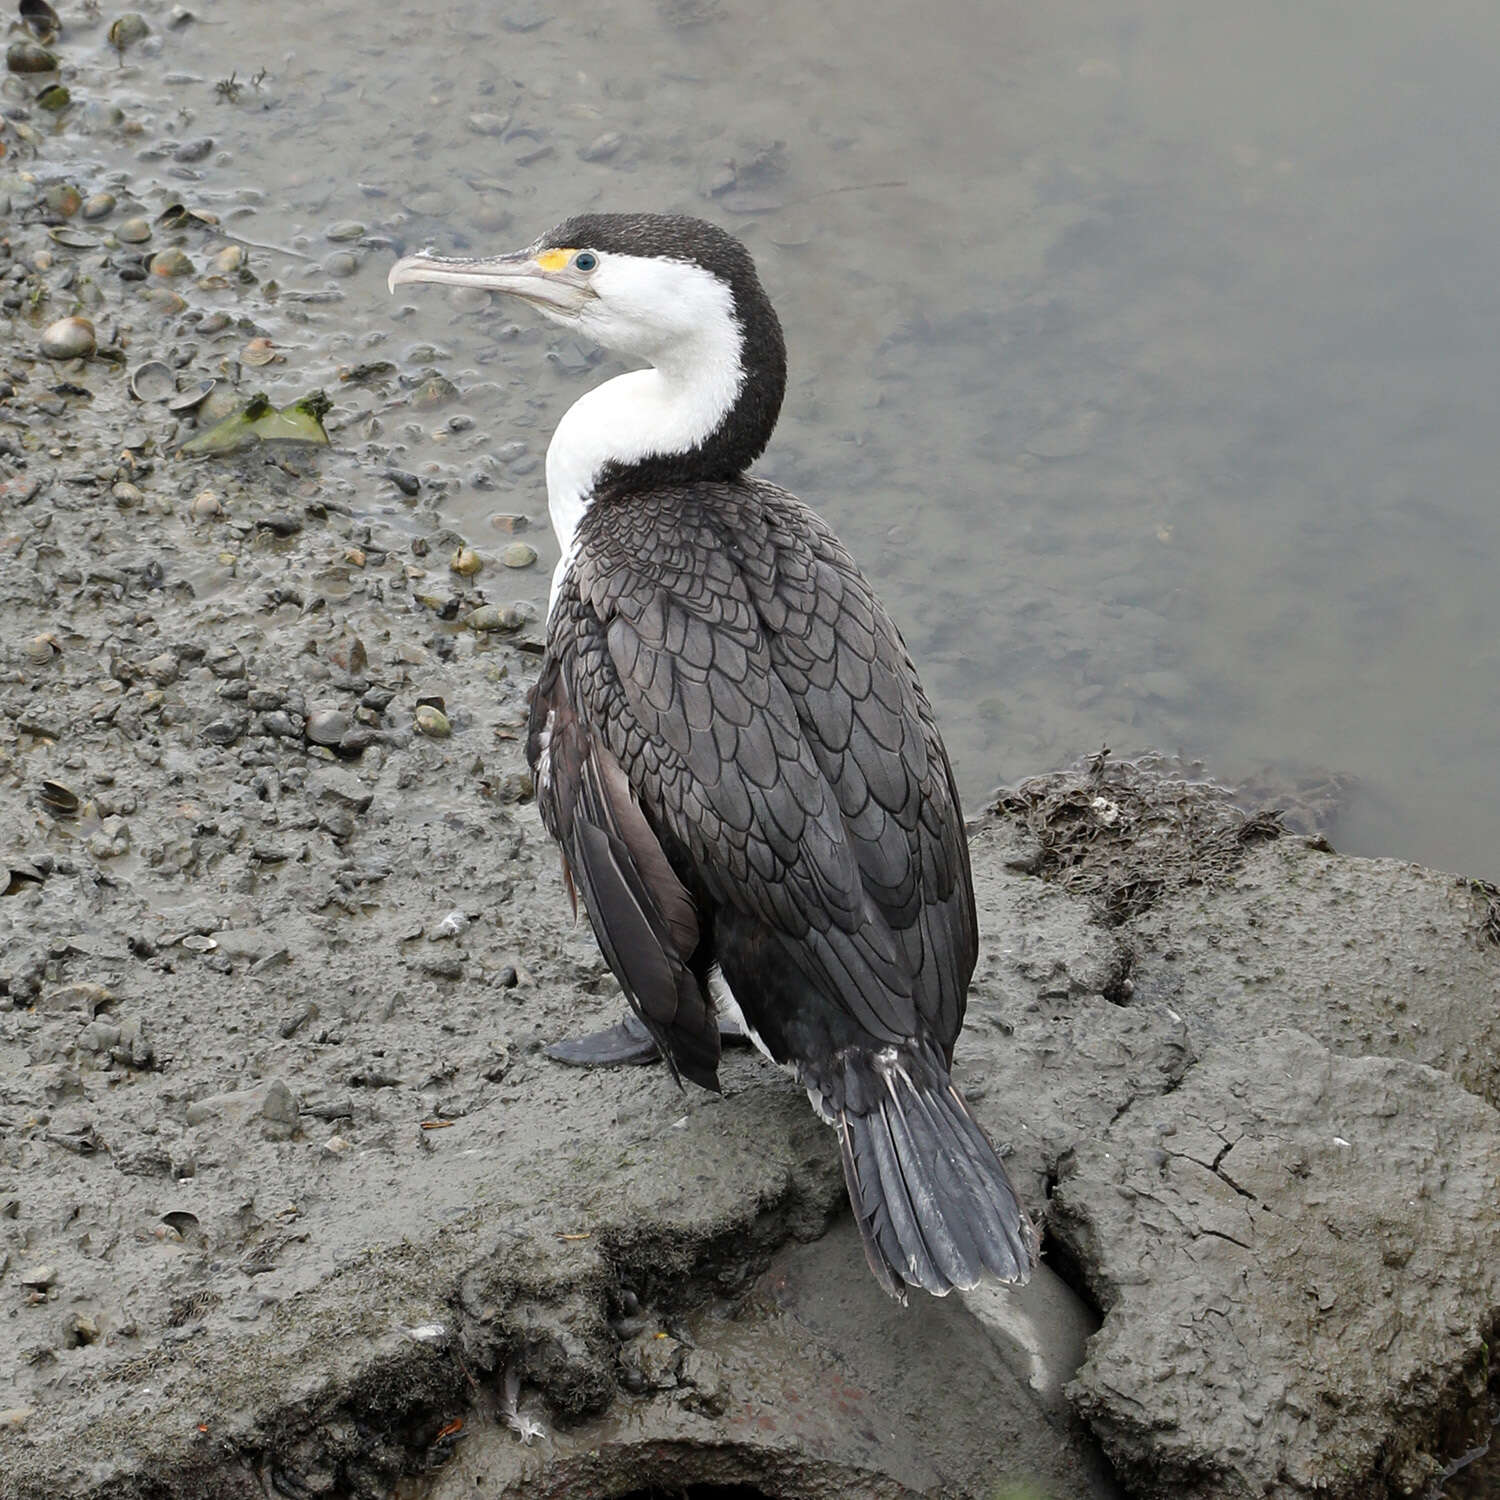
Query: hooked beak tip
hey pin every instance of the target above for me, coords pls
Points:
(401, 273)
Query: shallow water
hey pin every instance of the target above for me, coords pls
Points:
(1145, 354)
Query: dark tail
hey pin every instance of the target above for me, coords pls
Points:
(935, 1206)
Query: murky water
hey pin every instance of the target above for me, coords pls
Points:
(1147, 355)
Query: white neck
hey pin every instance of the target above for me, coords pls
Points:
(670, 408)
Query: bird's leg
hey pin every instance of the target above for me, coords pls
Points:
(626, 1042)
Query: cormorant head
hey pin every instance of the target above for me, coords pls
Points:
(680, 294)
(654, 286)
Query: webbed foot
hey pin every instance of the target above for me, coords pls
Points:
(627, 1042)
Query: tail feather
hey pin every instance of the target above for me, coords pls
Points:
(937, 1226)
(935, 1206)
(875, 1226)
(1007, 1238)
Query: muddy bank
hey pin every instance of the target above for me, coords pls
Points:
(289, 1191)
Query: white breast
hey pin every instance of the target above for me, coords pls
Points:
(670, 408)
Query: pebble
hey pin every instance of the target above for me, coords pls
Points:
(432, 722)
(134, 231)
(234, 1108)
(502, 522)
(162, 669)
(39, 1277)
(327, 726)
(357, 740)
(112, 840)
(131, 1049)
(526, 18)
(206, 505)
(342, 264)
(650, 1363)
(345, 229)
(435, 391)
(348, 655)
(81, 996)
(491, 214)
(338, 824)
(344, 789)
(494, 617)
(127, 495)
(226, 731)
(294, 1023)
(466, 562)
(99, 206)
(226, 661)
(487, 124)
(518, 555)
(602, 147)
(195, 150)
(68, 338)
(279, 1111)
(278, 724)
(408, 484)
(98, 1036)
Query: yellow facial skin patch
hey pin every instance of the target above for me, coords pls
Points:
(554, 260)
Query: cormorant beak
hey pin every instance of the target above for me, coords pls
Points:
(545, 279)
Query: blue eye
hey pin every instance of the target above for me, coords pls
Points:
(585, 260)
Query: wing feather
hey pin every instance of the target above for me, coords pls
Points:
(745, 680)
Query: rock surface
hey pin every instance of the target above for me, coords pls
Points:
(1296, 1254)
(342, 1198)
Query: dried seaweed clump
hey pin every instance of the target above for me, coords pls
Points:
(1125, 833)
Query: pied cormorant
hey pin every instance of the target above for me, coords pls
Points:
(732, 747)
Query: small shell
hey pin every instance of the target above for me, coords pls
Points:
(54, 98)
(172, 262)
(26, 56)
(128, 29)
(68, 338)
(179, 216)
(63, 198)
(134, 231)
(153, 381)
(199, 944)
(74, 239)
(44, 647)
(193, 396)
(41, 20)
(466, 562)
(58, 799)
(433, 722)
(261, 351)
